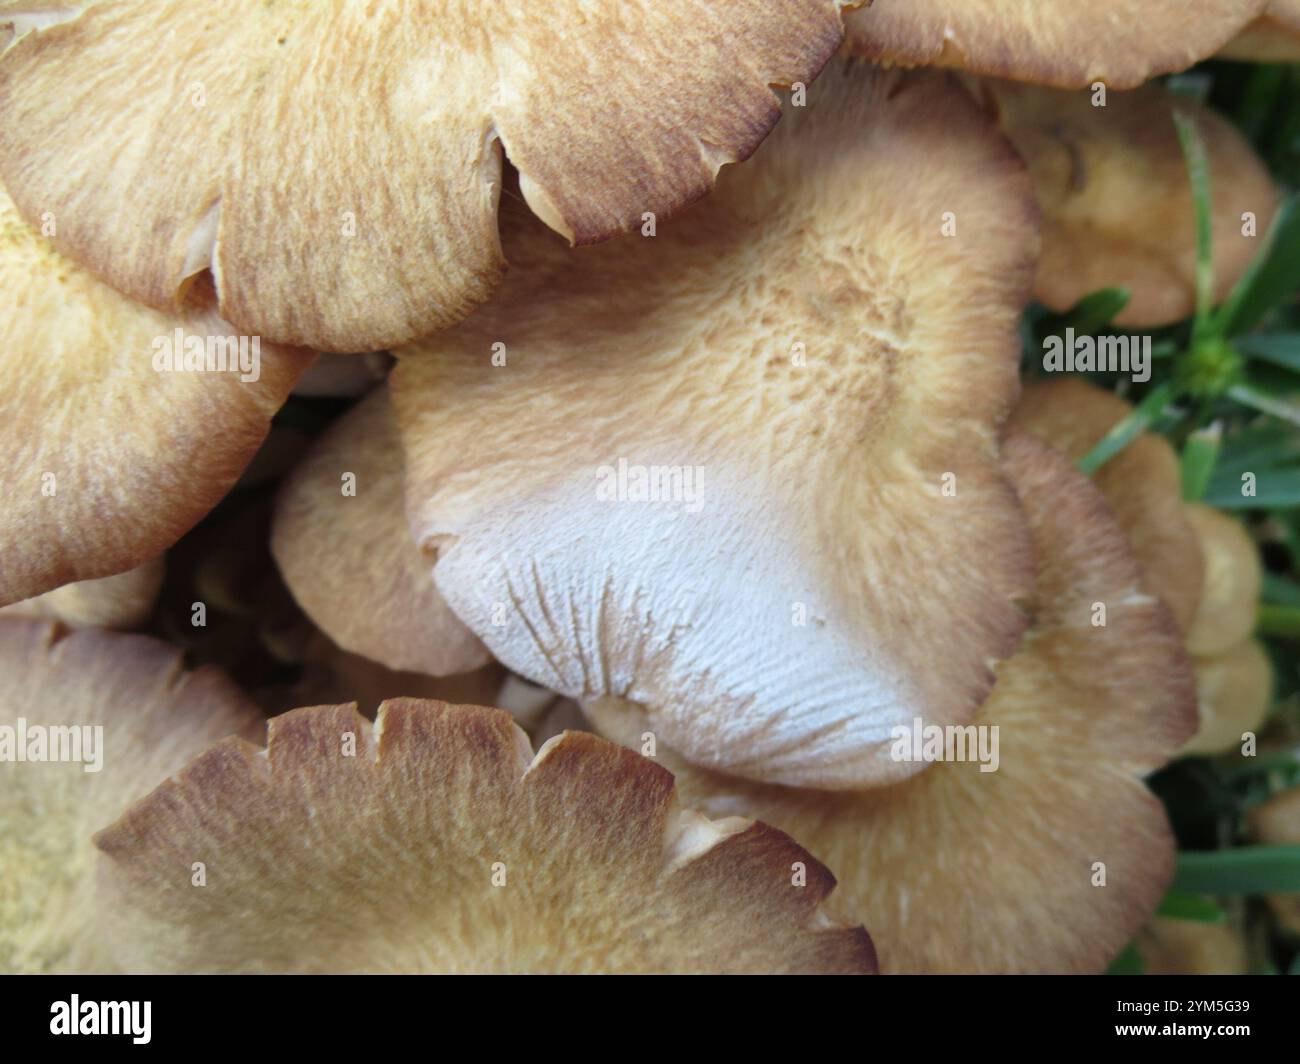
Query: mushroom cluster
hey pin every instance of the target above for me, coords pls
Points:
(481, 494)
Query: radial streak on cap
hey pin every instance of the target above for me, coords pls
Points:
(107, 461)
(1118, 209)
(154, 717)
(1066, 43)
(808, 374)
(349, 557)
(335, 163)
(444, 845)
(1142, 484)
(959, 870)
(124, 600)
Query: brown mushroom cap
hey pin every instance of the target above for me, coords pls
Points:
(958, 870)
(121, 601)
(350, 560)
(445, 845)
(337, 165)
(1142, 484)
(107, 461)
(1050, 42)
(1277, 823)
(1117, 200)
(154, 717)
(1192, 947)
(823, 363)
(1272, 38)
(1234, 693)
(1234, 577)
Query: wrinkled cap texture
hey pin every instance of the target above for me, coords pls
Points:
(1064, 43)
(342, 543)
(960, 870)
(445, 845)
(708, 471)
(105, 460)
(337, 165)
(153, 716)
(1142, 484)
(1118, 208)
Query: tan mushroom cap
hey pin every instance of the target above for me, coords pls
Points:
(1277, 823)
(1234, 693)
(154, 716)
(350, 559)
(121, 601)
(445, 845)
(1050, 42)
(1117, 200)
(797, 372)
(1272, 38)
(107, 461)
(337, 165)
(958, 870)
(1192, 947)
(1142, 484)
(1234, 577)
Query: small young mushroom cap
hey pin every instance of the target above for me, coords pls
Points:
(106, 460)
(343, 376)
(1272, 38)
(1192, 947)
(1234, 692)
(1277, 823)
(440, 843)
(1118, 209)
(124, 600)
(1234, 577)
(344, 548)
(1142, 484)
(337, 166)
(961, 870)
(1050, 42)
(708, 470)
(154, 717)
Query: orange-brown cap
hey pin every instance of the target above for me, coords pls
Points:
(337, 166)
(1272, 38)
(705, 470)
(1277, 823)
(1234, 693)
(124, 600)
(435, 840)
(1234, 577)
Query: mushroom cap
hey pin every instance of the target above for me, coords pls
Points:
(1192, 947)
(106, 461)
(792, 372)
(1234, 693)
(1142, 484)
(445, 845)
(1277, 823)
(154, 716)
(124, 600)
(350, 559)
(1050, 42)
(1234, 577)
(1272, 38)
(337, 165)
(1117, 200)
(958, 870)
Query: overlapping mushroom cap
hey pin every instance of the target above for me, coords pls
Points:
(125, 707)
(337, 165)
(1272, 38)
(344, 548)
(123, 600)
(1277, 823)
(710, 470)
(110, 447)
(1117, 200)
(435, 841)
(1052, 860)
(1050, 42)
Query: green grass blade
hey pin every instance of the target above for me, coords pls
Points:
(1245, 870)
